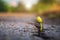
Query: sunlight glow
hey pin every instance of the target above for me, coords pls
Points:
(28, 3)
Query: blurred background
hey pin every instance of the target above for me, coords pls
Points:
(31, 6)
(38, 6)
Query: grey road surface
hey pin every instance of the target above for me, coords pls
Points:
(17, 28)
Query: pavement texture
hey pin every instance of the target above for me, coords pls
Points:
(23, 28)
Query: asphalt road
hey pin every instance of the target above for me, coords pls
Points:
(20, 28)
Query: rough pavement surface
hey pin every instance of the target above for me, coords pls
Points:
(17, 28)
